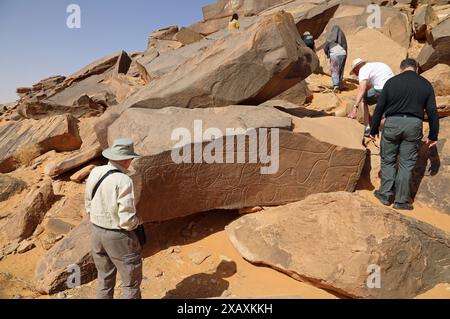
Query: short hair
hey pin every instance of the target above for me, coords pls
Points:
(235, 17)
(409, 63)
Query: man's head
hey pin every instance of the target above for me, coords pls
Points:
(122, 152)
(409, 65)
(125, 163)
(357, 65)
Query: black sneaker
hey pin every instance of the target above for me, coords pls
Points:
(383, 200)
(405, 206)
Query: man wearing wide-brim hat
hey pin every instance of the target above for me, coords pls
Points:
(110, 205)
(372, 77)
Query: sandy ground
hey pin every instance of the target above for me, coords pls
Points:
(170, 270)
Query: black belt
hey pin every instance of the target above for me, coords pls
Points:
(114, 230)
(405, 116)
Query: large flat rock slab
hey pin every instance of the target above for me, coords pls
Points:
(54, 270)
(245, 67)
(336, 241)
(23, 222)
(438, 50)
(22, 141)
(315, 155)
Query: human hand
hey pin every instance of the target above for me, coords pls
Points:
(354, 113)
(431, 143)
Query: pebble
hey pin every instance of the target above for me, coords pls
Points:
(198, 256)
(25, 246)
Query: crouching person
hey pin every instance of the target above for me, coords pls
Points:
(110, 205)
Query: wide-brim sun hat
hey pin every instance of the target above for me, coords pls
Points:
(357, 62)
(122, 149)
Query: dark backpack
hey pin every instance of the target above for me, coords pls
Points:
(310, 42)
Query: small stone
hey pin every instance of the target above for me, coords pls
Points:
(25, 246)
(82, 174)
(10, 248)
(61, 295)
(198, 256)
(177, 249)
(48, 243)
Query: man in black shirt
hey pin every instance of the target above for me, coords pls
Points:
(403, 102)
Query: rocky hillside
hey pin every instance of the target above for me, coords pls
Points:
(313, 222)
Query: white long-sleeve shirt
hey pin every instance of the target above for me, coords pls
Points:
(113, 205)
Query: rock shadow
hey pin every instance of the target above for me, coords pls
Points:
(185, 230)
(201, 286)
(428, 164)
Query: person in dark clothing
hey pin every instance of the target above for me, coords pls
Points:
(336, 50)
(309, 40)
(403, 103)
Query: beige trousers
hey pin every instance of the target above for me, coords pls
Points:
(117, 251)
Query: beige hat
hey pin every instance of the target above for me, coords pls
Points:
(122, 149)
(307, 33)
(357, 62)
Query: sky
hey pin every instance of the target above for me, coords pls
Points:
(35, 41)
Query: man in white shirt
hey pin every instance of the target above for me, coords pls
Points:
(109, 201)
(372, 77)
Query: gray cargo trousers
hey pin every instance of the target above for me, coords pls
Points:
(117, 251)
(400, 144)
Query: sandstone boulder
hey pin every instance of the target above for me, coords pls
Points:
(226, 8)
(95, 68)
(438, 51)
(57, 265)
(336, 242)
(123, 63)
(319, 155)
(165, 33)
(299, 94)
(424, 19)
(443, 105)
(23, 223)
(395, 24)
(82, 174)
(245, 67)
(187, 36)
(35, 109)
(10, 186)
(432, 172)
(439, 76)
(21, 142)
(73, 161)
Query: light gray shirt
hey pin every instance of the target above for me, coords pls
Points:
(113, 205)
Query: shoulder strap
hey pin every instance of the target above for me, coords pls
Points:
(114, 171)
